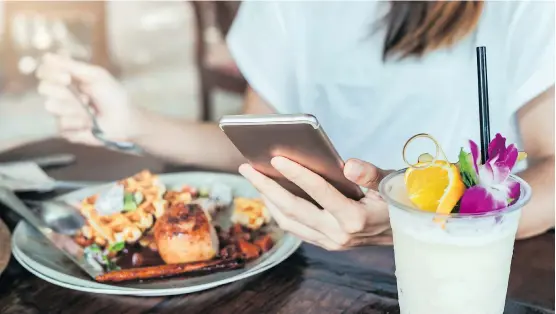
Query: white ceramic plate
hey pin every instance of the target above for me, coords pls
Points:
(36, 254)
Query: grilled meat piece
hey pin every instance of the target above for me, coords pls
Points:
(185, 234)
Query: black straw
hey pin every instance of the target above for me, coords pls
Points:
(483, 101)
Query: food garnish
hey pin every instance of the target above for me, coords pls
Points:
(221, 193)
(116, 247)
(129, 202)
(468, 186)
(110, 202)
(99, 257)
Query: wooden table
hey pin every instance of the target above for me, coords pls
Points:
(310, 281)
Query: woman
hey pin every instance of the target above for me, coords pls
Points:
(374, 73)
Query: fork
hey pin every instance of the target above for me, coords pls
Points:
(127, 147)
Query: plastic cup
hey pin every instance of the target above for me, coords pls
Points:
(456, 264)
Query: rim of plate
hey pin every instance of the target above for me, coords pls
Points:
(289, 245)
(114, 290)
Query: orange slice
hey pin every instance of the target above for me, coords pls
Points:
(436, 188)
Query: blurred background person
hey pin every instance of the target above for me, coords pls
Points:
(374, 74)
(185, 59)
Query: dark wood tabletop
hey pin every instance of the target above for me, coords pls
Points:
(310, 281)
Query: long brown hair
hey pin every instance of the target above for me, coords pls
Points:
(416, 27)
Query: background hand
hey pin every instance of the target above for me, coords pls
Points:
(117, 118)
(343, 223)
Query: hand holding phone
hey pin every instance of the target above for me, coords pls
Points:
(299, 138)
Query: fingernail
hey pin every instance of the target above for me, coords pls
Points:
(353, 170)
(243, 169)
(279, 162)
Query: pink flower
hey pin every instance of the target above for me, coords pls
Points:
(493, 190)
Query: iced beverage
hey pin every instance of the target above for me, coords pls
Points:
(456, 264)
(454, 227)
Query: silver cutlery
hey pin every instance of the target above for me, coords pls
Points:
(97, 131)
(60, 216)
(63, 242)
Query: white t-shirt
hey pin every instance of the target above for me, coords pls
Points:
(323, 58)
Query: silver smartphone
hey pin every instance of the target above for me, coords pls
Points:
(299, 138)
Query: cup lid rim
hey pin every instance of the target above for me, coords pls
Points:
(524, 198)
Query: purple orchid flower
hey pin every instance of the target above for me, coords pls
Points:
(493, 190)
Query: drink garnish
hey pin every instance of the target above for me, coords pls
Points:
(433, 185)
(466, 168)
(436, 188)
(493, 189)
(470, 186)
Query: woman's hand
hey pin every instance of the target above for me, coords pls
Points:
(117, 118)
(343, 223)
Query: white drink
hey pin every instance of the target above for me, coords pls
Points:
(454, 265)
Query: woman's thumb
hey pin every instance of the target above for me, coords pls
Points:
(363, 173)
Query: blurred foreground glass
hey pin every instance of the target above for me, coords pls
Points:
(457, 264)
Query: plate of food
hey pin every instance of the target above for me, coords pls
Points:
(163, 234)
